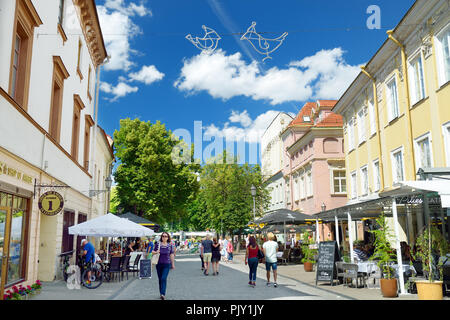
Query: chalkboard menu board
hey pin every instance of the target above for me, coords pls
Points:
(326, 267)
(145, 269)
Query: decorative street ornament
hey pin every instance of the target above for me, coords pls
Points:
(209, 41)
(262, 45)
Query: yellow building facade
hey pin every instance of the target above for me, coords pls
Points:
(397, 111)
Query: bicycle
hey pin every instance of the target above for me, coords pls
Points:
(95, 279)
(65, 256)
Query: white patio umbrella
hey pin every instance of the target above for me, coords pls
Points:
(110, 225)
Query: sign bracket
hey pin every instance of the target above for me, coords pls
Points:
(46, 186)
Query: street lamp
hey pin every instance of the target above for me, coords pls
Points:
(253, 190)
(108, 183)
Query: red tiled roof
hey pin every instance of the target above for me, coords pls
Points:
(306, 110)
(332, 120)
(326, 103)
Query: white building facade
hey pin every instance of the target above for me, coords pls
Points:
(272, 160)
(49, 55)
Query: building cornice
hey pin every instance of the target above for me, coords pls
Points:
(90, 25)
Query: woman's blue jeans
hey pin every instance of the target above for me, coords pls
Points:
(253, 265)
(163, 271)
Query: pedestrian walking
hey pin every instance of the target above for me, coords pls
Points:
(251, 258)
(206, 251)
(230, 250)
(201, 256)
(270, 248)
(223, 251)
(166, 261)
(215, 258)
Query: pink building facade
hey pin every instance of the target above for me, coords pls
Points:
(314, 169)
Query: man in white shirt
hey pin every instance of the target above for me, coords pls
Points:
(270, 249)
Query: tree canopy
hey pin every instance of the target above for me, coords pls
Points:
(149, 182)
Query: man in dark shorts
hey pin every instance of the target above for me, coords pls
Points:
(206, 252)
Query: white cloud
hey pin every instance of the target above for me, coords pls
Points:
(147, 75)
(250, 131)
(322, 76)
(118, 29)
(119, 91)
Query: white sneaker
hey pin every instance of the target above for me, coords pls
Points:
(275, 285)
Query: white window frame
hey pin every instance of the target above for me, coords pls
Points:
(446, 134)
(442, 77)
(364, 188)
(309, 184)
(376, 175)
(342, 181)
(351, 135)
(302, 187)
(393, 107)
(412, 78)
(373, 124)
(417, 149)
(393, 164)
(296, 191)
(353, 185)
(361, 120)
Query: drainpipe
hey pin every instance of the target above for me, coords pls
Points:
(408, 103)
(377, 120)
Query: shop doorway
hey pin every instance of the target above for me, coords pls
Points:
(67, 239)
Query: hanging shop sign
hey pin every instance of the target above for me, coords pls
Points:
(51, 203)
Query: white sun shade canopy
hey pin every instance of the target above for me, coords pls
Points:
(110, 225)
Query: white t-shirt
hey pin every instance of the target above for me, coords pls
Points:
(271, 248)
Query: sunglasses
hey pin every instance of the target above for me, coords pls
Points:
(164, 236)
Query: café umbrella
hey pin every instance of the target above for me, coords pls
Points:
(110, 225)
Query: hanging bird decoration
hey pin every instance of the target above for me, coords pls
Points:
(262, 45)
(209, 41)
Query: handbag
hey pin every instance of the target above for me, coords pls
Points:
(155, 258)
(260, 254)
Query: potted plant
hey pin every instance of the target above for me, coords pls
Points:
(37, 286)
(429, 245)
(384, 256)
(309, 254)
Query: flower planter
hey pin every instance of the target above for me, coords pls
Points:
(389, 288)
(308, 266)
(427, 290)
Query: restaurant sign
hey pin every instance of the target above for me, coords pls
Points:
(51, 203)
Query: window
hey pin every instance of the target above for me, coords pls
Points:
(77, 107)
(14, 211)
(351, 136)
(443, 55)
(89, 83)
(339, 183)
(302, 187)
(417, 82)
(59, 75)
(392, 99)
(373, 124)
(87, 135)
(364, 181)
(61, 12)
(309, 185)
(296, 191)
(397, 166)
(361, 126)
(19, 77)
(423, 152)
(80, 58)
(376, 176)
(306, 119)
(446, 133)
(353, 185)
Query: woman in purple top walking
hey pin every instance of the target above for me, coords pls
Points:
(165, 263)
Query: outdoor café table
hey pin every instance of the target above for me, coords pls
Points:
(367, 267)
(406, 267)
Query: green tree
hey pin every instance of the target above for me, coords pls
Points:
(150, 182)
(225, 187)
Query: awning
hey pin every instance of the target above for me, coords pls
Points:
(140, 220)
(441, 187)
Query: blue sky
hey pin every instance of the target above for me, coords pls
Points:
(156, 74)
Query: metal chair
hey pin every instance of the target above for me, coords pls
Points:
(135, 267)
(124, 267)
(340, 271)
(285, 257)
(114, 266)
(351, 272)
(374, 277)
